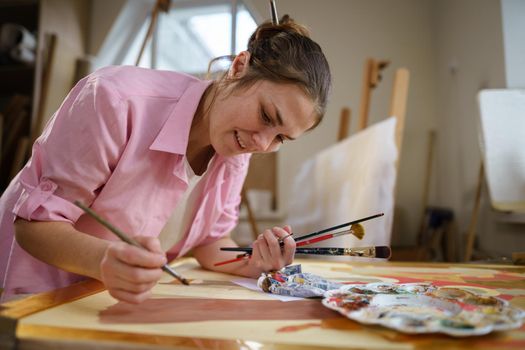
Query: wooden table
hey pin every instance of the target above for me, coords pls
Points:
(84, 316)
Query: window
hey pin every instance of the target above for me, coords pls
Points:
(190, 35)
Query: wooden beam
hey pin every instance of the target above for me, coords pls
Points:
(49, 53)
(471, 233)
(371, 78)
(398, 103)
(344, 124)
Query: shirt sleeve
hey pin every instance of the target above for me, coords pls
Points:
(75, 155)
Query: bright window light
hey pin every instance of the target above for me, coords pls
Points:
(189, 37)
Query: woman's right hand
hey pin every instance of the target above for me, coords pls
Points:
(128, 272)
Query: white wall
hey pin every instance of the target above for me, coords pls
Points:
(513, 14)
(103, 14)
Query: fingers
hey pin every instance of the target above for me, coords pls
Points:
(133, 273)
(289, 244)
(268, 253)
(136, 256)
(128, 272)
(132, 298)
(150, 243)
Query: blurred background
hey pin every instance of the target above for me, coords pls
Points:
(452, 49)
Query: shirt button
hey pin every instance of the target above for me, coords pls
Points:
(46, 186)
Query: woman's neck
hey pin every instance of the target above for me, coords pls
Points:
(200, 150)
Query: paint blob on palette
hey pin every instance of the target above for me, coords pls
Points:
(424, 308)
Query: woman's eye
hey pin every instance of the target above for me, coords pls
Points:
(266, 119)
(280, 138)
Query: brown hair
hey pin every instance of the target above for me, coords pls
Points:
(284, 53)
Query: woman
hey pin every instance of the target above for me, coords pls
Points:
(156, 152)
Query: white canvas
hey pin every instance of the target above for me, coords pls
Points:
(352, 179)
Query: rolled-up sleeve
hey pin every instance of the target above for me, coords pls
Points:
(76, 153)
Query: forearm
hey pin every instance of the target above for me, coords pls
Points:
(61, 245)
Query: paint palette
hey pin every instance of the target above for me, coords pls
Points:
(424, 308)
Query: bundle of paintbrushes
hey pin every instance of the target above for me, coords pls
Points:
(355, 229)
(366, 252)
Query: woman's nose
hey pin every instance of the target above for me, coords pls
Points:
(262, 140)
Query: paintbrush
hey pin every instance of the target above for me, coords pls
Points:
(356, 230)
(365, 252)
(359, 233)
(369, 252)
(333, 228)
(127, 239)
(273, 12)
(383, 252)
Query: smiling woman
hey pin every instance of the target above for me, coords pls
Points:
(163, 156)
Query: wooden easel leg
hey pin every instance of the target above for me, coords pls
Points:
(344, 124)
(474, 218)
(398, 103)
(48, 57)
(365, 94)
(20, 156)
(251, 217)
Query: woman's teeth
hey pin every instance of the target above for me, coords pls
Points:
(243, 146)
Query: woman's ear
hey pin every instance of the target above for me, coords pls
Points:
(239, 65)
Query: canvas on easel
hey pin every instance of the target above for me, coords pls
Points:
(502, 126)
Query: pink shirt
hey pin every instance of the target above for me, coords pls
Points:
(117, 143)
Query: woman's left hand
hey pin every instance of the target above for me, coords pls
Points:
(267, 254)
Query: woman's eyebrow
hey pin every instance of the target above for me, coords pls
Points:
(278, 116)
(280, 120)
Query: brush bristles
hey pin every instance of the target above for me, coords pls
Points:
(358, 231)
(383, 252)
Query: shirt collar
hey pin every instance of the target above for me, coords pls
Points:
(174, 134)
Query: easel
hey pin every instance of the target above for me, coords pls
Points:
(371, 78)
(436, 223)
(471, 233)
(398, 99)
(160, 5)
(503, 160)
(344, 124)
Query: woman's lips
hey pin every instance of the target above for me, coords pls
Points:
(239, 141)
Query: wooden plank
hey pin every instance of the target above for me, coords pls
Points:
(365, 94)
(42, 301)
(428, 175)
(251, 215)
(344, 124)
(20, 156)
(398, 103)
(371, 78)
(49, 54)
(471, 233)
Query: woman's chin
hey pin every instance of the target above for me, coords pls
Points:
(225, 150)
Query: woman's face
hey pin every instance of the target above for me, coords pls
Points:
(259, 118)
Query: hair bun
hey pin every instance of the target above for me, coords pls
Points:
(267, 30)
(287, 23)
